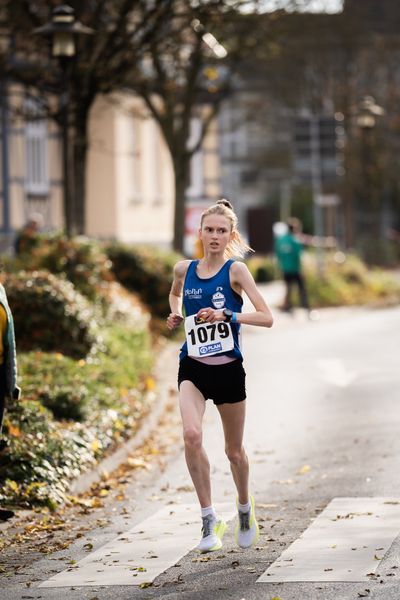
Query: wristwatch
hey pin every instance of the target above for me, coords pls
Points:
(228, 314)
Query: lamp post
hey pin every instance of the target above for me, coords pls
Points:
(63, 29)
(366, 119)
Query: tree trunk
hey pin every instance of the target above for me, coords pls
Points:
(181, 172)
(79, 172)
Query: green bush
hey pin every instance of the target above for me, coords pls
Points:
(66, 401)
(40, 457)
(112, 391)
(379, 252)
(50, 315)
(346, 280)
(81, 260)
(148, 271)
(263, 268)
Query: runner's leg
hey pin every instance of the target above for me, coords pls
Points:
(192, 406)
(233, 417)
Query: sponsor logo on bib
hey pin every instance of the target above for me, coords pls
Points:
(203, 350)
(218, 298)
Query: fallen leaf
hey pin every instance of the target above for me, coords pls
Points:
(15, 432)
(88, 546)
(304, 469)
(137, 463)
(185, 488)
(150, 384)
(95, 445)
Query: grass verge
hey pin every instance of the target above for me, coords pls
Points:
(72, 413)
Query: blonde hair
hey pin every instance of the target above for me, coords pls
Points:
(237, 246)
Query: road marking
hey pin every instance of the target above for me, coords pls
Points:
(346, 542)
(333, 371)
(143, 552)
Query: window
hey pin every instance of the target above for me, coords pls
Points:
(37, 171)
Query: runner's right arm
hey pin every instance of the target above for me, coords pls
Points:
(175, 318)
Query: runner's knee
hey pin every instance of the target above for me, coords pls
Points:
(192, 437)
(235, 455)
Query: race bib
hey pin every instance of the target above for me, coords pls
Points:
(206, 339)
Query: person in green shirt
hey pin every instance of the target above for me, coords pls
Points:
(288, 250)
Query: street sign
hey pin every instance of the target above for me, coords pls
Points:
(327, 200)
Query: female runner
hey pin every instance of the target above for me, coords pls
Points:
(210, 290)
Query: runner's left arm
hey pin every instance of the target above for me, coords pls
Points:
(262, 315)
(242, 279)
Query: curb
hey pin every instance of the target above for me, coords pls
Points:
(166, 365)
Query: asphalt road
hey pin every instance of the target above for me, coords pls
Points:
(323, 422)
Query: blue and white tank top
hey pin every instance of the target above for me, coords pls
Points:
(215, 291)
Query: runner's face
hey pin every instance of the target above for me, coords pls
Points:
(215, 233)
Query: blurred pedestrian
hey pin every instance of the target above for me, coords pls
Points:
(288, 249)
(27, 237)
(8, 370)
(210, 290)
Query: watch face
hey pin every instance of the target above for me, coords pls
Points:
(228, 314)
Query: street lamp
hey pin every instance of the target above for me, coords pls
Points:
(63, 29)
(368, 112)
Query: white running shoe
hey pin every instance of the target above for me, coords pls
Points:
(213, 529)
(247, 531)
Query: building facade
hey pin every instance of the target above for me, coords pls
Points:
(129, 179)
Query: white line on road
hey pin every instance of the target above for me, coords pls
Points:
(345, 543)
(334, 371)
(143, 552)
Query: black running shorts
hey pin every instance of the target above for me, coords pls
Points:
(224, 384)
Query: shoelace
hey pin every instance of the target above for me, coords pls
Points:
(244, 520)
(207, 522)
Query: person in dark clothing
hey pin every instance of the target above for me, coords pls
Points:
(27, 238)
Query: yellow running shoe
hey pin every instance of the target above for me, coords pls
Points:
(247, 531)
(213, 529)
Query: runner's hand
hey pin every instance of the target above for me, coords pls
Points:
(210, 315)
(174, 320)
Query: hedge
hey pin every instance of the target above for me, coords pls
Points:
(146, 270)
(50, 315)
